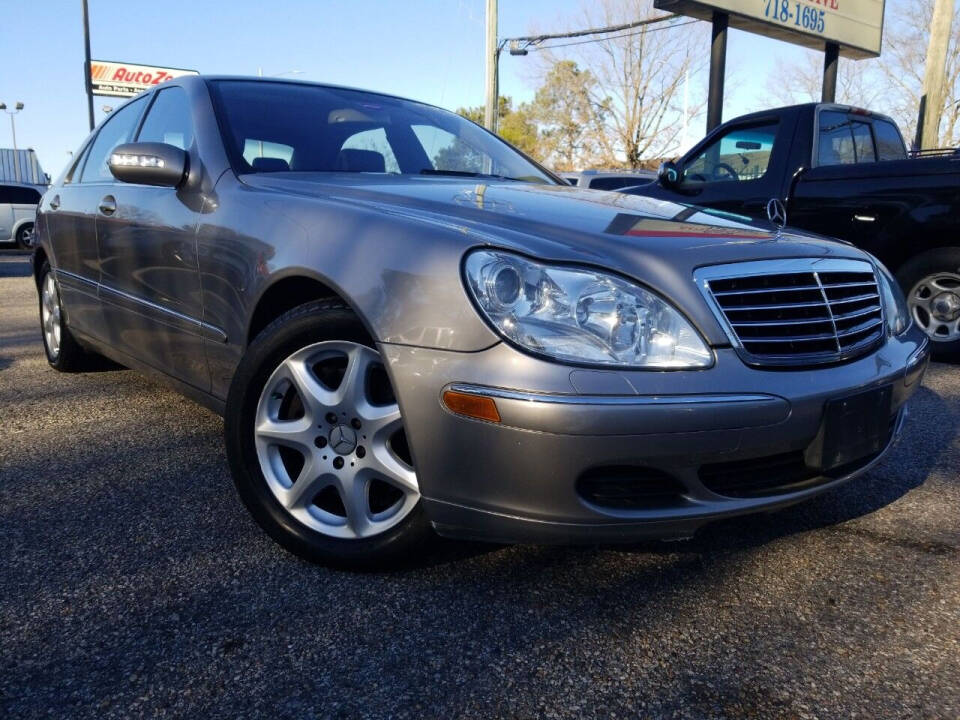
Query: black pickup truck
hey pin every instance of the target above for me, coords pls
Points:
(842, 172)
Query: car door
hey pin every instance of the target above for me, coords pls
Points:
(737, 171)
(70, 214)
(150, 282)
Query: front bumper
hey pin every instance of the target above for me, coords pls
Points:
(524, 479)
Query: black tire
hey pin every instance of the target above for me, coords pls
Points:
(305, 325)
(70, 357)
(24, 232)
(925, 265)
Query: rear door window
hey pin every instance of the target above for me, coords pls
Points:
(15, 195)
(889, 143)
(844, 140)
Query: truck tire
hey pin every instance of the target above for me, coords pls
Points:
(931, 283)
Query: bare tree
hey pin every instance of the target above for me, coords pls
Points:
(639, 76)
(856, 82)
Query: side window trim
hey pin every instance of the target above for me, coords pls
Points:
(77, 170)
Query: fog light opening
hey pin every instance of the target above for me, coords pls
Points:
(478, 407)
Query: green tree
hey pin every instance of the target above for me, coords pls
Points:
(516, 125)
(571, 121)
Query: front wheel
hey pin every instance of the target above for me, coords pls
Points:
(931, 282)
(317, 444)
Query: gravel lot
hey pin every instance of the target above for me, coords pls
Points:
(133, 584)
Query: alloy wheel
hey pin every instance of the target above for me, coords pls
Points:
(331, 443)
(935, 306)
(50, 315)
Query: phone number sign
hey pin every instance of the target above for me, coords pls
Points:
(855, 25)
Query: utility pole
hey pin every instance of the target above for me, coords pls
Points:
(931, 103)
(490, 111)
(86, 63)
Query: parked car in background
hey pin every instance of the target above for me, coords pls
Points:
(407, 325)
(841, 172)
(609, 179)
(18, 210)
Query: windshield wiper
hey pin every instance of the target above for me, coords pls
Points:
(467, 173)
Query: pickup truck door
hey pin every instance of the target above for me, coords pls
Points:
(737, 171)
(848, 194)
(150, 281)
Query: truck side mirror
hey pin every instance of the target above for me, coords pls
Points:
(669, 174)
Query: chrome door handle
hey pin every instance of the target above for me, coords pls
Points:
(54, 202)
(108, 206)
(865, 218)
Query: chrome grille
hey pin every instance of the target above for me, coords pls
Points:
(797, 311)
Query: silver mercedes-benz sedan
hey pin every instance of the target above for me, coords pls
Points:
(410, 327)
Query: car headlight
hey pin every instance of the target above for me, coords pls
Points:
(894, 303)
(581, 315)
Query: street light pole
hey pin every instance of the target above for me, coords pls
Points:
(13, 131)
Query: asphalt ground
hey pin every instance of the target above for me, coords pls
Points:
(133, 584)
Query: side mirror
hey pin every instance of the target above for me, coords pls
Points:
(669, 174)
(149, 164)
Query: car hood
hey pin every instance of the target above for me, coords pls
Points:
(656, 242)
(554, 218)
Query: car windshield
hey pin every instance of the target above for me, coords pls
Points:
(282, 127)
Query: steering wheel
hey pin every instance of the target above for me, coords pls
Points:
(727, 170)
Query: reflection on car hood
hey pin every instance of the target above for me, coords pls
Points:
(592, 221)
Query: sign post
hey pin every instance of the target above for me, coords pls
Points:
(841, 28)
(86, 62)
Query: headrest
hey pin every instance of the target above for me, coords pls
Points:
(352, 160)
(269, 164)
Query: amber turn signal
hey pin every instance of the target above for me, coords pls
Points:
(473, 406)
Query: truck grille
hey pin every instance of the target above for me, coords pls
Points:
(794, 312)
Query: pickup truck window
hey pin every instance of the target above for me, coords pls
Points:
(844, 141)
(742, 153)
(889, 143)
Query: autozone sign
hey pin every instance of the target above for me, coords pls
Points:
(125, 79)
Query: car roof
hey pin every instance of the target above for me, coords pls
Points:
(293, 81)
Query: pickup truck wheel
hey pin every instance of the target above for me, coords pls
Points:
(931, 282)
(25, 236)
(317, 446)
(63, 352)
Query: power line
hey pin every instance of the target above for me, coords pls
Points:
(612, 37)
(592, 31)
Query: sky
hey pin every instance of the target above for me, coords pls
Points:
(429, 50)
